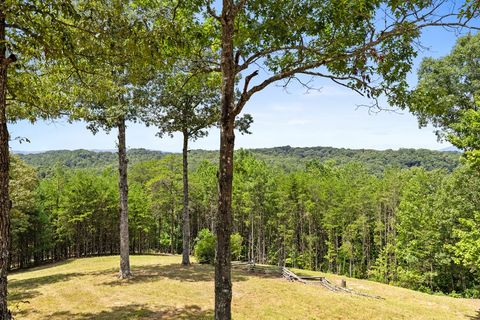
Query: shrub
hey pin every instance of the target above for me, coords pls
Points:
(236, 241)
(205, 244)
(204, 249)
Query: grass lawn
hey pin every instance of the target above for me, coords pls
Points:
(163, 289)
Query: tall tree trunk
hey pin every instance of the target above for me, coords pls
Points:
(223, 281)
(252, 239)
(5, 203)
(123, 189)
(172, 231)
(223, 278)
(186, 214)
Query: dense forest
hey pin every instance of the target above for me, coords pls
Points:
(45, 162)
(412, 227)
(403, 217)
(287, 158)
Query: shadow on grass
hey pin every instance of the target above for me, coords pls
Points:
(137, 311)
(178, 272)
(476, 316)
(46, 265)
(20, 290)
(22, 296)
(32, 283)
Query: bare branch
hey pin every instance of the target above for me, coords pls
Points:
(11, 59)
(18, 27)
(237, 58)
(212, 12)
(244, 97)
(375, 108)
(417, 19)
(239, 6)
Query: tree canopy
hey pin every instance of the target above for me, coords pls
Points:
(194, 64)
(448, 96)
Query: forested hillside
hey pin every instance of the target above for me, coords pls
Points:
(407, 217)
(411, 227)
(288, 158)
(45, 162)
(375, 160)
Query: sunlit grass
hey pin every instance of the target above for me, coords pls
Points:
(163, 289)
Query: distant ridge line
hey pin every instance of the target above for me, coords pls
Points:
(286, 147)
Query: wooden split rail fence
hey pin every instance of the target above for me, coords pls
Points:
(291, 276)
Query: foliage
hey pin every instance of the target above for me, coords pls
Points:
(118, 50)
(406, 226)
(205, 247)
(166, 197)
(466, 135)
(460, 197)
(46, 162)
(182, 102)
(39, 36)
(236, 241)
(287, 158)
(25, 217)
(447, 95)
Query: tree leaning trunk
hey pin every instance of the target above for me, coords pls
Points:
(223, 278)
(5, 203)
(186, 214)
(123, 189)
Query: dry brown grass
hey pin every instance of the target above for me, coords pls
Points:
(163, 289)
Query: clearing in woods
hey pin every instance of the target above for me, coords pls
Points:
(88, 288)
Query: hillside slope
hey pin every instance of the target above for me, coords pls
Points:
(286, 157)
(163, 289)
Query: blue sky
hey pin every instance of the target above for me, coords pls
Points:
(292, 117)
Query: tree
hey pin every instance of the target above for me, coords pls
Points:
(133, 42)
(336, 40)
(457, 206)
(448, 96)
(141, 220)
(32, 35)
(252, 190)
(203, 196)
(165, 188)
(123, 60)
(412, 227)
(418, 238)
(23, 185)
(189, 104)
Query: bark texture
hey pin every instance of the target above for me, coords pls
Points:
(123, 189)
(5, 203)
(223, 280)
(186, 213)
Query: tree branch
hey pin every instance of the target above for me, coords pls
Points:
(416, 19)
(11, 59)
(239, 6)
(244, 97)
(212, 12)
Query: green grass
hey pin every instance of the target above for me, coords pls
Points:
(163, 289)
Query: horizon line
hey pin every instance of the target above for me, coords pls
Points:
(446, 149)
